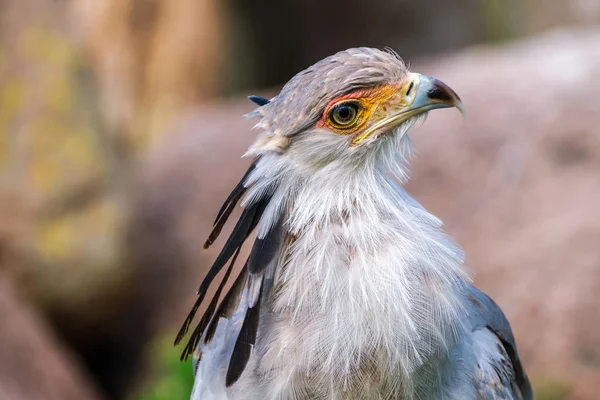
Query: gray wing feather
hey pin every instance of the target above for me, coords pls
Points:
(507, 378)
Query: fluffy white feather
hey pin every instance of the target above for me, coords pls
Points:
(369, 284)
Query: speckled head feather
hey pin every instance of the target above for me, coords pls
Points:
(304, 97)
(357, 94)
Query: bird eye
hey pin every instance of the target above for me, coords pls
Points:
(345, 114)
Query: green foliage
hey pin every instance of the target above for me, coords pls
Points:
(550, 389)
(172, 379)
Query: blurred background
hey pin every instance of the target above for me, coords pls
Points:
(121, 133)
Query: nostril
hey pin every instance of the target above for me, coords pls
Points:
(410, 88)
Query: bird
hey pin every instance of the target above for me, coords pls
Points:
(351, 289)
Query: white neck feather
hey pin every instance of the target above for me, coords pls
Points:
(369, 282)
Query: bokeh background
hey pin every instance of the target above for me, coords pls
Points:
(121, 132)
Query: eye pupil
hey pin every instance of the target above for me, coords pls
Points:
(344, 114)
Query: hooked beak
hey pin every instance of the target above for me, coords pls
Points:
(420, 94)
(431, 94)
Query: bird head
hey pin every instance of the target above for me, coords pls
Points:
(346, 106)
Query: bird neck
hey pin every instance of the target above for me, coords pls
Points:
(366, 270)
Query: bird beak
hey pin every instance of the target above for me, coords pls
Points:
(430, 94)
(419, 94)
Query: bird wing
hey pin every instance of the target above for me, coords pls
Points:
(499, 373)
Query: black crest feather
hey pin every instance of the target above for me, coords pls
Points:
(263, 253)
(210, 310)
(260, 101)
(227, 208)
(228, 304)
(240, 233)
(243, 345)
(265, 249)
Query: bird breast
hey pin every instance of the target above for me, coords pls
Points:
(367, 292)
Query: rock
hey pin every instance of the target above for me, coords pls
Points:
(152, 58)
(34, 364)
(64, 195)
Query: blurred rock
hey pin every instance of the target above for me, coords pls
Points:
(517, 184)
(35, 365)
(152, 58)
(64, 189)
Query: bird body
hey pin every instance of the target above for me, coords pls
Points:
(351, 290)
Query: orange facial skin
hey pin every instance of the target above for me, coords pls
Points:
(375, 103)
